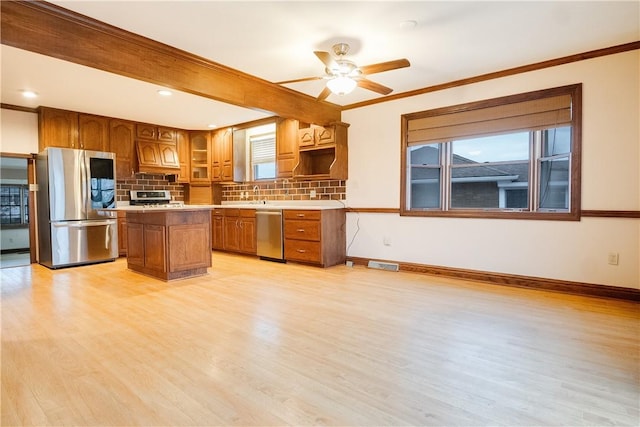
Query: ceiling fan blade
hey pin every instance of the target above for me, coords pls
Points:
(324, 94)
(326, 59)
(305, 79)
(384, 66)
(376, 87)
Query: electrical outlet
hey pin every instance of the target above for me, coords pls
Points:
(613, 258)
(312, 194)
(386, 240)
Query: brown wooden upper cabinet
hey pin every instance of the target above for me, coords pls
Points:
(182, 142)
(200, 155)
(316, 135)
(93, 132)
(157, 149)
(122, 142)
(222, 159)
(157, 157)
(57, 128)
(157, 133)
(69, 129)
(322, 152)
(286, 147)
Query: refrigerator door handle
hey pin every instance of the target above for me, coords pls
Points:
(85, 183)
(83, 224)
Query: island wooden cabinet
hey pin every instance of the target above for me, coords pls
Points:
(169, 244)
(315, 236)
(122, 234)
(217, 229)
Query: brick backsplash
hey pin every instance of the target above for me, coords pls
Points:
(143, 181)
(285, 190)
(279, 190)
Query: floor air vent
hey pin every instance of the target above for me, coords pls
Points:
(389, 266)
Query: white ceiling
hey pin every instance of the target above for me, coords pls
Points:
(275, 41)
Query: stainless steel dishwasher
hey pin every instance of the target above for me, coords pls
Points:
(269, 234)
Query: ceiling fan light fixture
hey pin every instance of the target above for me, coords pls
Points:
(341, 85)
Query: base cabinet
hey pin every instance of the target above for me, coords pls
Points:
(315, 236)
(217, 229)
(122, 234)
(169, 244)
(239, 231)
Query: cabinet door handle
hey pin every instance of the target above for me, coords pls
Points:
(300, 230)
(300, 215)
(301, 251)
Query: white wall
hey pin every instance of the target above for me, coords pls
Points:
(18, 132)
(565, 250)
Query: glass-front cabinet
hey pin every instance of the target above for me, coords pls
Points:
(200, 157)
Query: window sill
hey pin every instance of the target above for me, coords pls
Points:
(545, 216)
(13, 226)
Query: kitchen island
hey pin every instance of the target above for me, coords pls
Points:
(169, 243)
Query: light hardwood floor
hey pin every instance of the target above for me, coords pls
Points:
(261, 343)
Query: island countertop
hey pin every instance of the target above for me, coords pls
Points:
(170, 207)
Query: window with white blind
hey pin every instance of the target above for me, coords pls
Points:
(511, 157)
(263, 156)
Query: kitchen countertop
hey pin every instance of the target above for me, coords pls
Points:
(179, 207)
(298, 205)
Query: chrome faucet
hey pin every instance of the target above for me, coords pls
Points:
(256, 193)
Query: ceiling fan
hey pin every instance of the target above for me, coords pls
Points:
(343, 75)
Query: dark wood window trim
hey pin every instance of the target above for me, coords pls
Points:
(575, 91)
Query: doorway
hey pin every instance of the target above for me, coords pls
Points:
(16, 211)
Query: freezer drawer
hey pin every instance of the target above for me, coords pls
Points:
(82, 242)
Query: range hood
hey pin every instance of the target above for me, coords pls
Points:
(157, 157)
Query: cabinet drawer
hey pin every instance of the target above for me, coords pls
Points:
(217, 212)
(302, 214)
(231, 212)
(304, 230)
(301, 250)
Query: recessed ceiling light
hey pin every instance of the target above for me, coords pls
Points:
(164, 92)
(29, 94)
(408, 25)
(211, 126)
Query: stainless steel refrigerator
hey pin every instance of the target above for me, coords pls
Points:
(73, 187)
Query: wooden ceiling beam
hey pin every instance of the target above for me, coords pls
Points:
(50, 30)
